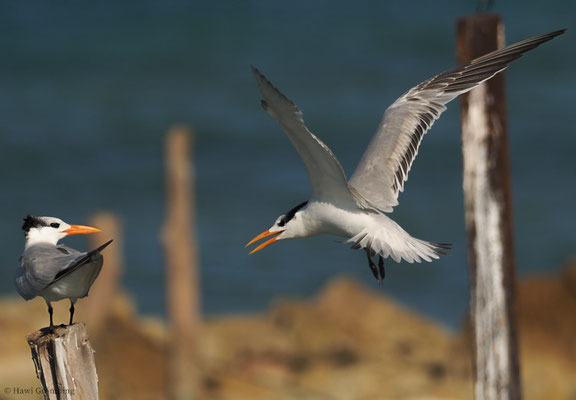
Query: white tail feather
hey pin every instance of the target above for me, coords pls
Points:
(390, 240)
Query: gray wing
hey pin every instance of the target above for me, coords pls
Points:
(89, 258)
(43, 264)
(325, 172)
(39, 266)
(384, 167)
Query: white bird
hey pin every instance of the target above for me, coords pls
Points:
(355, 209)
(53, 271)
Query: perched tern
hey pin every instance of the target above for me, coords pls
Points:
(53, 271)
(355, 209)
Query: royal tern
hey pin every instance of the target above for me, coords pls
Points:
(53, 271)
(355, 209)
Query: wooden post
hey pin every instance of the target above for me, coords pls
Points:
(182, 280)
(95, 308)
(64, 362)
(488, 207)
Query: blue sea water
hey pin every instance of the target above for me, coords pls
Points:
(88, 90)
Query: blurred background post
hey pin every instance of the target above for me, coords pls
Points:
(96, 308)
(182, 275)
(488, 210)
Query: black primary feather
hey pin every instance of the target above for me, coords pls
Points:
(81, 261)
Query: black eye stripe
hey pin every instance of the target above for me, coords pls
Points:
(31, 222)
(290, 214)
(55, 225)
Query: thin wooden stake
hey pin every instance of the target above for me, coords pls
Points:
(489, 218)
(64, 362)
(182, 276)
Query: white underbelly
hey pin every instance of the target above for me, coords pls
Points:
(73, 286)
(375, 231)
(329, 219)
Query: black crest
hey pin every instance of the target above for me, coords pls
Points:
(290, 214)
(32, 222)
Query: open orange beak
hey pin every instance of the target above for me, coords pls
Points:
(266, 243)
(80, 229)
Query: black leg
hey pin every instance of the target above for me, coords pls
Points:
(381, 269)
(51, 312)
(71, 311)
(372, 265)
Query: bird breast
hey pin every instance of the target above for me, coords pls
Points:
(325, 218)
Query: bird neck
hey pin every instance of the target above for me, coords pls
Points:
(35, 236)
(302, 225)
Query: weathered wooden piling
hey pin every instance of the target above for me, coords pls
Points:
(489, 225)
(64, 362)
(95, 308)
(182, 275)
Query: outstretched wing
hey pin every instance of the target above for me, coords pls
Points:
(385, 164)
(326, 175)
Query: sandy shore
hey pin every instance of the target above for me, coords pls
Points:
(349, 342)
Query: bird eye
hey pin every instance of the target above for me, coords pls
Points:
(282, 222)
(55, 225)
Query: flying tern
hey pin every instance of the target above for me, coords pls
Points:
(54, 271)
(355, 208)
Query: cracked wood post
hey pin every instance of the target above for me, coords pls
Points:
(488, 209)
(64, 362)
(182, 275)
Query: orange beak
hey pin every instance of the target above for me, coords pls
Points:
(266, 243)
(80, 229)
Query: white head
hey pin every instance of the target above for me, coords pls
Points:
(50, 230)
(287, 226)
